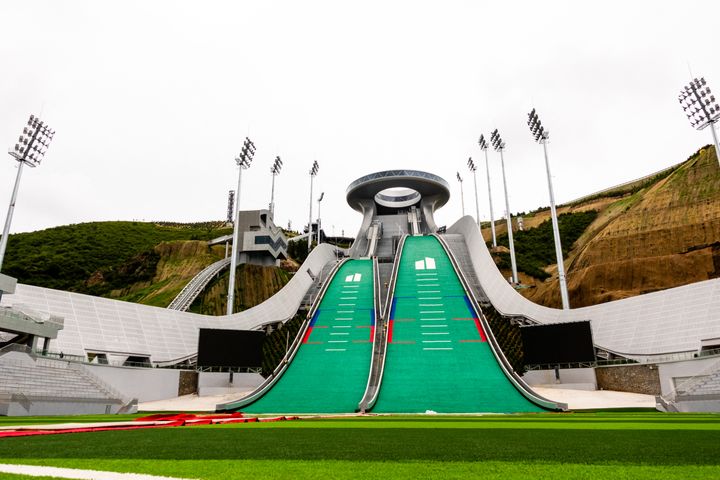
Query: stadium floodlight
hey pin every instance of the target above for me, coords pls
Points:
(484, 147)
(322, 195)
(275, 170)
(541, 136)
(701, 108)
(313, 172)
(243, 162)
(499, 146)
(462, 194)
(473, 169)
(29, 150)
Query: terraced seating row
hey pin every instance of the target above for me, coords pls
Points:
(34, 380)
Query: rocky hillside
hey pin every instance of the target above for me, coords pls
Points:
(649, 235)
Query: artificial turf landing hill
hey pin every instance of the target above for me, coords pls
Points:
(330, 370)
(438, 357)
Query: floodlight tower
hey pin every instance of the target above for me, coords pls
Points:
(313, 173)
(701, 108)
(473, 168)
(243, 162)
(230, 206)
(30, 150)
(541, 136)
(275, 170)
(484, 147)
(499, 146)
(318, 219)
(462, 195)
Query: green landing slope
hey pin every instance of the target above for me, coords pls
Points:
(330, 370)
(437, 357)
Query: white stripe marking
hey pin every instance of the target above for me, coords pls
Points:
(337, 341)
(341, 326)
(37, 471)
(436, 333)
(336, 349)
(437, 348)
(431, 304)
(432, 326)
(431, 273)
(432, 311)
(436, 341)
(428, 291)
(429, 298)
(340, 333)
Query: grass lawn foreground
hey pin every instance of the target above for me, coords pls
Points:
(532, 446)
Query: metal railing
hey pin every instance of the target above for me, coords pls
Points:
(196, 285)
(377, 362)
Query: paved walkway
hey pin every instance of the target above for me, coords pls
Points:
(190, 403)
(584, 399)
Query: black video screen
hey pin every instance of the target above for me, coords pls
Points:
(558, 343)
(230, 348)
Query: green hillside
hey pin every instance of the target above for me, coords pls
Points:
(66, 257)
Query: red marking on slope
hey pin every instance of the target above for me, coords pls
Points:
(307, 334)
(390, 331)
(480, 329)
(372, 332)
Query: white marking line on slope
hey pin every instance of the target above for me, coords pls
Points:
(339, 333)
(337, 341)
(343, 318)
(432, 311)
(346, 304)
(76, 473)
(336, 349)
(433, 319)
(428, 291)
(431, 304)
(341, 326)
(432, 273)
(348, 298)
(429, 298)
(346, 311)
(437, 348)
(436, 341)
(432, 326)
(351, 286)
(436, 333)
(426, 279)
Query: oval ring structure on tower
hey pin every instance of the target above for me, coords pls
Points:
(394, 202)
(426, 185)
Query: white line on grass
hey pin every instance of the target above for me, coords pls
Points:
(36, 471)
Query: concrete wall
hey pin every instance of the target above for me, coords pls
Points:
(629, 378)
(145, 384)
(570, 378)
(216, 383)
(688, 368)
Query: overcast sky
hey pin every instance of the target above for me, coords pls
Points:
(151, 100)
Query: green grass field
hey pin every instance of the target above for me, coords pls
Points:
(531, 446)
